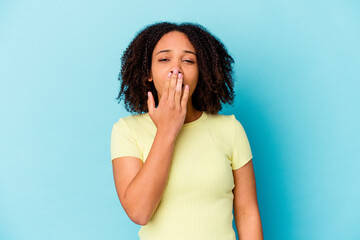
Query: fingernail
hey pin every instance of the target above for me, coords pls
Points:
(176, 71)
(169, 75)
(180, 75)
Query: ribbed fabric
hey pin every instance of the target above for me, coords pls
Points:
(197, 202)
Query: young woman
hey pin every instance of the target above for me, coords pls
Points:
(180, 167)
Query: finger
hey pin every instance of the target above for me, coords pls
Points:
(178, 90)
(185, 97)
(165, 94)
(171, 95)
(150, 103)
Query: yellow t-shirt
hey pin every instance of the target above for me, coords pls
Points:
(197, 202)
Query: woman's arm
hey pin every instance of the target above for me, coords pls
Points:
(140, 186)
(246, 210)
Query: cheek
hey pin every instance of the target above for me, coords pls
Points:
(195, 72)
(194, 77)
(159, 84)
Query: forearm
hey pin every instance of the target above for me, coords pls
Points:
(145, 190)
(249, 226)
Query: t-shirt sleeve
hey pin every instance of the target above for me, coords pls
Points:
(241, 147)
(123, 141)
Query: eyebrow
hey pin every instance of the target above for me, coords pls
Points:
(187, 51)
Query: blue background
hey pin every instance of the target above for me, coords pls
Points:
(297, 68)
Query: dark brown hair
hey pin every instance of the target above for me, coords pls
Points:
(215, 83)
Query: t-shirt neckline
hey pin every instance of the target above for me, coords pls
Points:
(195, 122)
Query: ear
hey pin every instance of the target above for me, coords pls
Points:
(150, 78)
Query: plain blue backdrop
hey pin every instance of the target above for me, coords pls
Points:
(297, 71)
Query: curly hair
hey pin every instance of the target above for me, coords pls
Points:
(215, 82)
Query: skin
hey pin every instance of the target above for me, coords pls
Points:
(175, 53)
(246, 209)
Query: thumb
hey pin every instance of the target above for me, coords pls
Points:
(150, 102)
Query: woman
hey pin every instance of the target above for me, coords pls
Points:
(179, 166)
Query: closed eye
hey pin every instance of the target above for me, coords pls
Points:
(165, 60)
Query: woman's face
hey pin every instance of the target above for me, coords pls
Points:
(174, 52)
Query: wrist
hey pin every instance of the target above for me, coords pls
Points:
(167, 135)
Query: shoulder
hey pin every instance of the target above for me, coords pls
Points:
(221, 124)
(220, 127)
(133, 120)
(139, 125)
(225, 122)
(231, 120)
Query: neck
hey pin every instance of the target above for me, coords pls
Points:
(191, 113)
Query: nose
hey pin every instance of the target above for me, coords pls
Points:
(176, 67)
(176, 70)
